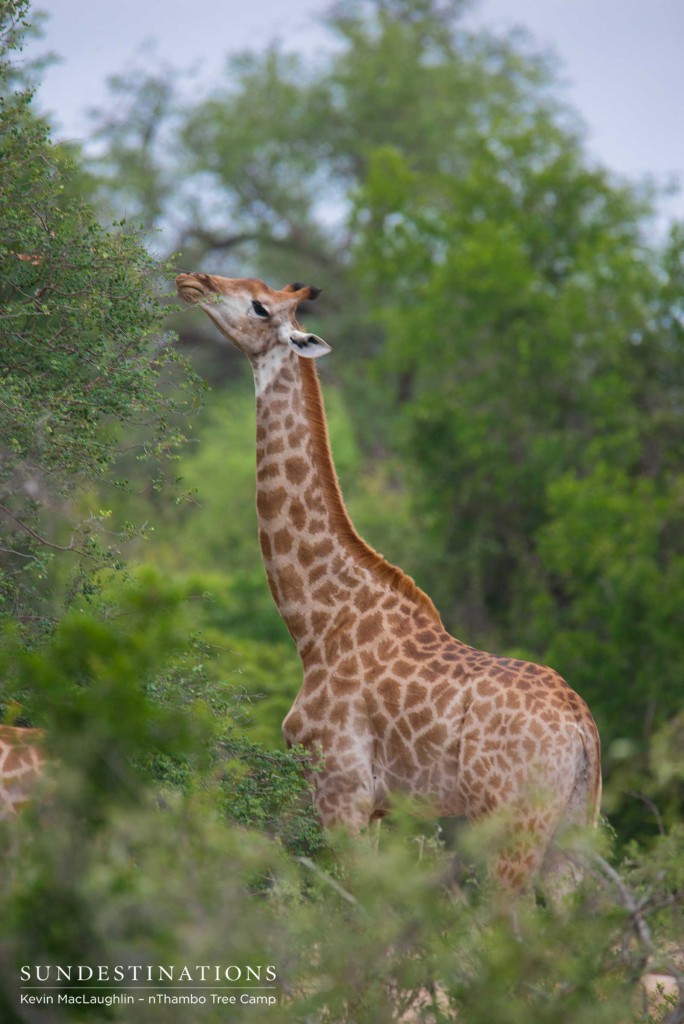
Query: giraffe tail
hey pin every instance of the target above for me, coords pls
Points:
(590, 777)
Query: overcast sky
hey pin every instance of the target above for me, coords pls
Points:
(622, 59)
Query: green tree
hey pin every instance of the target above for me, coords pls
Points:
(82, 350)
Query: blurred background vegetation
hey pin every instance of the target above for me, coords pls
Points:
(505, 400)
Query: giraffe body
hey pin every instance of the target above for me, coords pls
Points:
(21, 763)
(392, 702)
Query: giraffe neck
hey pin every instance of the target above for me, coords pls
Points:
(315, 561)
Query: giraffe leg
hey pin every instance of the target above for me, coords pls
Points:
(344, 803)
(521, 852)
(561, 876)
(374, 832)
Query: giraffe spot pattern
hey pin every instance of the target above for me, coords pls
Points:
(282, 542)
(291, 585)
(270, 502)
(435, 716)
(297, 514)
(369, 627)
(296, 470)
(268, 471)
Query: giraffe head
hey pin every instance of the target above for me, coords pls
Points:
(253, 316)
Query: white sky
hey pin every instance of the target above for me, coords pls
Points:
(623, 60)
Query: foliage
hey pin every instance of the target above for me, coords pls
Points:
(117, 864)
(82, 353)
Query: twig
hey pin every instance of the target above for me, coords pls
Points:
(651, 806)
(43, 540)
(636, 911)
(339, 889)
(628, 901)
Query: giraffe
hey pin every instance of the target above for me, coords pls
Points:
(21, 764)
(391, 701)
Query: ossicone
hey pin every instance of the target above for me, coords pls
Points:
(308, 292)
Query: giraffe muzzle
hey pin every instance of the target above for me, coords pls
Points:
(190, 288)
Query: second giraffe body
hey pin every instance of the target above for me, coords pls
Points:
(392, 702)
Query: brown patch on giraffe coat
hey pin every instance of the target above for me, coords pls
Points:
(349, 666)
(495, 723)
(404, 728)
(387, 651)
(296, 623)
(486, 688)
(396, 746)
(291, 585)
(443, 700)
(327, 594)
(282, 542)
(296, 436)
(412, 650)
(319, 622)
(348, 579)
(369, 627)
(268, 471)
(421, 718)
(314, 679)
(379, 722)
(275, 447)
(309, 553)
(265, 542)
(339, 716)
(313, 499)
(515, 724)
(389, 691)
(293, 723)
(317, 573)
(343, 686)
(310, 653)
(297, 514)
(270, 502)
(338, 639)
(273, 586)
(414, 693)
(366, 598)
(323, 548)
(512, 699)
(371, 664)
(317, 703)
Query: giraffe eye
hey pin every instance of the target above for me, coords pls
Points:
(259, 309)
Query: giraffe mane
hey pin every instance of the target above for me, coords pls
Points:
(339, 517)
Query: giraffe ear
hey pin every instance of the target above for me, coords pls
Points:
(308, 345)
